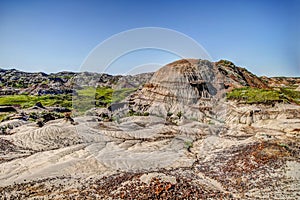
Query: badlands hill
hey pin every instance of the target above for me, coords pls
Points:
(192, 130)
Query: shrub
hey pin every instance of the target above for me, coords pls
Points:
(169, 114)
(188, 145)
(131, 112)
(179, 114)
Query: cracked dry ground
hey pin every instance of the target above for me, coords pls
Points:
(251, 168)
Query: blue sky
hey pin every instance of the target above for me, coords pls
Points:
(56, 35)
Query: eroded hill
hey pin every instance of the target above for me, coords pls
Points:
(194, 130)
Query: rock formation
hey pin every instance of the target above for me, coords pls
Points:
(17, 82)
(185, 86)
(178, 137)
(194, 87)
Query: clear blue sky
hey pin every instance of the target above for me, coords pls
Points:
(56, 35)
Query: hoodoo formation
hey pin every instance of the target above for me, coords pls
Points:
(181, 86)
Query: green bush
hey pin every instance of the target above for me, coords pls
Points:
(169, 114)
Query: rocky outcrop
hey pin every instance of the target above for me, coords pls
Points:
(281, 81)
(234, 76)
(178, 139)
(183, 86)
(17, 82)
(194, 87)
(133, 81)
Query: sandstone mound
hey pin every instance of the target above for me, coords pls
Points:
(192, 87)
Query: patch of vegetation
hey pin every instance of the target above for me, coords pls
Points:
(188, 145)
(26, 101)
(45, 82)
(256, 95)
(3, 117)
(121, 94)
(210, 122)
(14, 84)
(284, 145)
(179, 114)
(133, 113)
(169, 114)
(291, 94)
(86, 98)
(225, 63)
(90, 97)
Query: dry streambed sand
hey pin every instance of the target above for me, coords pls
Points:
(142, 157)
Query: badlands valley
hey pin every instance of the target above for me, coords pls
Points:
(194, 129)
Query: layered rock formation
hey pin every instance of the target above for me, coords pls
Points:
(234, 76)
(281, 81)
(190, 143)
(193, 87)
(183, 86)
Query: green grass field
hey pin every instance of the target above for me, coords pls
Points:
(26, 101)
(89, 97)
(85, 99)
(255, 95)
